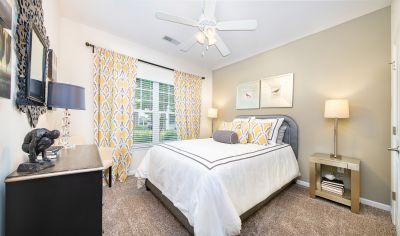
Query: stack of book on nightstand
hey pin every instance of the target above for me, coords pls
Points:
(51, 152)
(333, 186)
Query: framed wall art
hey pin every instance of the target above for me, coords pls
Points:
(277, 91)
(248, 95)
(5, 48)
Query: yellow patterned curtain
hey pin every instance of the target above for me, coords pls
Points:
(187, 105)
(114, 99)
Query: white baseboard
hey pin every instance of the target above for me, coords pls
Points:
(303, 183)
(131, 172)
(375, 204)
(362, 200)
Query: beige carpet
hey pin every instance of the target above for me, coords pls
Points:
(131, 211)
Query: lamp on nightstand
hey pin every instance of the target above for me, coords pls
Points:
(213, 114)
(336, 109)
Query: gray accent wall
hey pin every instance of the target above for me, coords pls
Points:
(347, 61)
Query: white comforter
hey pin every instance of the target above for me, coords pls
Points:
(213, 183)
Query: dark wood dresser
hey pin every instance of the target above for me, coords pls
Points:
(62, 200)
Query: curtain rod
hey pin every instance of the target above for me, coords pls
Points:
(140, 60)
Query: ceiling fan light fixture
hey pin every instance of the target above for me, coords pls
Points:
(209, 28)
(212, 41)
(210, 32)
(200, 37)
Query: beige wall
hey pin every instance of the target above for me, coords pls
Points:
(395, 21)
(346, 61)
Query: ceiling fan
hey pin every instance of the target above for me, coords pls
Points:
(208, 27)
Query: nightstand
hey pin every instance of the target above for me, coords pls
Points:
(351, 197)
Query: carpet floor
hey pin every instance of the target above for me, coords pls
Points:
(131, 211)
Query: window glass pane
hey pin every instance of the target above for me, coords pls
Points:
(172, 123)
(147, 95)
(147, 84)
(143, 131)
(138, 104)
(163, 120)
(163, 106)
(138, 82)
(167, 127)
(163, 97)
(147, 105)
(164, 88)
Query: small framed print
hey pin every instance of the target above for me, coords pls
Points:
(52, 68)
(277, 91)
(248, 95)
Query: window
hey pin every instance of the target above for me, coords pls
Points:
(154, 114)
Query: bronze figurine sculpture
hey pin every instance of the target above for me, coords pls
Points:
(35, 142)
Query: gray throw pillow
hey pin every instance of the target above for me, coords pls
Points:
(281, 134)
(226, 136)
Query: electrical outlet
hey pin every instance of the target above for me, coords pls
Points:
(340, 170)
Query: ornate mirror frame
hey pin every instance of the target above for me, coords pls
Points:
(29, 12)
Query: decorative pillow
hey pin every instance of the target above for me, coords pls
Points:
(226, 136)
(281, 134)
(276, 124)
(225, 125)
(247, 119)
(232, 126)
(243, 132)
(259, 132)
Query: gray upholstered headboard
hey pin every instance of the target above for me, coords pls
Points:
(292, 132)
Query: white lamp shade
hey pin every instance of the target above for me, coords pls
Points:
(337, 108)
(212, 113)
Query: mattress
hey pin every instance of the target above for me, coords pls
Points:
(213, 183)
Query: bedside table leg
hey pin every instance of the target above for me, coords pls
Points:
(313, 167)
(355, 191)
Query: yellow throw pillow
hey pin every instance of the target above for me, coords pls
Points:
(259, 132)
(243, 132)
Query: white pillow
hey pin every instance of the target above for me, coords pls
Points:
(276, 124)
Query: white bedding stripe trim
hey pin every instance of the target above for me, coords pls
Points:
(364, 201)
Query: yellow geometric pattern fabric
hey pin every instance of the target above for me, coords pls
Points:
(114, 99)
(243, 132)
(232, 126)
(187, 105)
(259, 132)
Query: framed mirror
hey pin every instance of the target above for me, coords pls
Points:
(32, 43)
(36, 67)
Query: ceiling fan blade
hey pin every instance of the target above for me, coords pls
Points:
(176, 19)
(223, 49)
(188, 44)
(209, 8)
(237, 25)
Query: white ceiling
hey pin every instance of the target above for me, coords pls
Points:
(279, 22)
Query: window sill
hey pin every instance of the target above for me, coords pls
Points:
(143, 146)
(147, 145)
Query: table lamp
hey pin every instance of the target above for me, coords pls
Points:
(213, 114)
(65, 96)
(336, 109)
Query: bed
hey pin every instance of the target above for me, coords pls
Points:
(211, 187)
